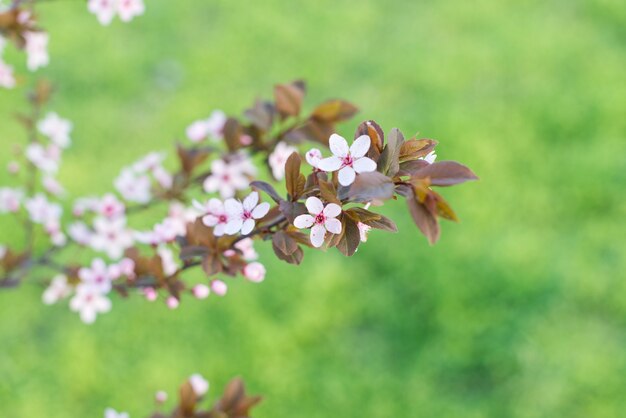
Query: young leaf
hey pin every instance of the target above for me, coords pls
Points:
(232, 134)
(350, 239)
(261, 114)
(289, 98)
(416, 148)
(328, 192)
(294, 179)
(267, 188)
(383, 223)
(361, 215)
(334, 111)
(285, 243)
(445, 173)
(389, 162)
(424, 219)
(375, 132)
(368, 187)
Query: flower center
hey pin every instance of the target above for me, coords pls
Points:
(246, 215)
(320, 218)
(222, 219)
(348, 161)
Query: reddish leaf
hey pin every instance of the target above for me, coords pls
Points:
(368, 187)
(424, 219)
(294, 179)
(351, 237)
(446, 173)
(334, 111)
(261, 114)
(375, 132)
(267, 188)
(289, 98)
(416, 148)
(283, 242)
(389, 162)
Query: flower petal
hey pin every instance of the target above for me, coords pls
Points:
(303, 221)
(219, 230)
(360, 146)
(210, 220)
(261, 210)
(333, 225)
(247, 226)
(329, 164)
(233, 208)
(234, 226)
(364, 165)
(332, 210)
(251, 201)
(346, 176)
(318, 232)
(338, 145)
(314, 205)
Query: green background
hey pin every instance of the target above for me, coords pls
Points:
(519, 311)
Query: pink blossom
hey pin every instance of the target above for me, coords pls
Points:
(104, 10)
(110, 207)
(163, 177)
(149, 162)
(56, 129)
(41, 211)
(201, 291)
(36, 50)
(160, 396)
(10, 199)
(7, 79)
(13, 167)
(57, 237)
(133, 187)
(129, 9)
(246, 246)
(3, 251)
(313, 157)
(172, 302)
(212, 127)
(58, 289)
(112, 413)
(45, 159)
(349, 161)
(216, 217)
(98, 276)
(79, 233)
(218, 287)
(243, 216)
(199, 385)
(228, 177)
(111, 237)
(89, 302)
(52, 186)
(255, 272)
(278, 158)
(150, 293)
(85, 204)
(321, 219)
(167, 260)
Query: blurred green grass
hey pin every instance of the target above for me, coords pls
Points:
(519, 311)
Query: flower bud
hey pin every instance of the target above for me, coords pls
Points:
(255, 272)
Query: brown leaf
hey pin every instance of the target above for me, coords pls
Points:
(375, 132)
(424, 219)
(335, 111)
(294, 258)
(286, 244)
(232, 134)
(211, 264)
(235, 403)
(188, 400)
(351, 237)
(445, 173)
(443, 208)
(416, 148)
(389, 162)
(361, 215)
(267, 188)
(292, 209)
(382, 223)
(368, 187)
(408, 168)
(328, 192)
(289, 98)
(190, 158)
(261, 114)
(294, 179)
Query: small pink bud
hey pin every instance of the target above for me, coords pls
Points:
(160, 396)
(245, 139)
(255, 272)
(219, 287)
(230, 253)
(150, 294)
(172, 302)
(201, 291)
(13, 167)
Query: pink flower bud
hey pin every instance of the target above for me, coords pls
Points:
(219, 287)
(201, 291)
(245, 139)
(13, 167)
(160, 397)
(150, 294)
(172, 302)
(255, 272)
(230, 253)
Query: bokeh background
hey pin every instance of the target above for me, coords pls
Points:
(519, 311)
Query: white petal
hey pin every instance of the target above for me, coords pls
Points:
(103, 304)
(233, 208)
(210, 220)
(247, 226)
(88, 315)
(218, 231)
(303, 221)
(333, 225)
(332, 210)
(314, 205)
(318, 232)
(233, 226)
(360, 146)
(251, 201)
(364, 165)
(338, 145)
(346, 176)
(329, 164)
(261, 210)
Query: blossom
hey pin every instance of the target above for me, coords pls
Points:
(172, 302)
(110, 207)
(199, 385)
(56, 129)
(112, 413)
(58, 289)
(98, 276)
(430, 158)
(53, 229)
(104, 10)
(52, 186)
(255, 272)
(349, 161)
(216, 217)
(313, 157)
(201, 291)
(246, 246)
(228, 177)
(133, 187)
(212, 127)
(111, 237)
(128, 9)
(243, 215)
(278, 158)
(41, 211)
(321, 219)
(7, 79)
(150, 293)
(10, 199)
(45, 159)
(149, 162)
(218, 287)
(89, 302)
(36, 50)
(160, 396)
(167, 260)
(79, 233)
(84, 204)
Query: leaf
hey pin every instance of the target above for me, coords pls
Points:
(294, 179)
(289, 98)
(361, 215)
(443, 208)
(328, 192)
(235, 403)
(211, 264)
(382, 223)
(335, 111)
(188, 399)
(293, 258)
(261, 114)
(416, 148)
(424, 219)
(389, 162)
(291, 209)
(283, 242)
(190, 252)
(350, 239)
(368, 187)
(408, 168)
(232, 134)
(190, 158)
(312, 130)
(377, 136)
(267, 188)
(446, 173)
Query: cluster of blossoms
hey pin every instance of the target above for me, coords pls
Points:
(213, 205)
(234, 403)
(20, 27)
(106, 10)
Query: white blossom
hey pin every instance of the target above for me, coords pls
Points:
(321, 219)
(58, 289)
(349, 161)
(10, 199)
(89, 302)
(199, 385)
(243, 216)
(36, 50)
(111, 237)
(228, 177)
(278, 158)
(56, 129)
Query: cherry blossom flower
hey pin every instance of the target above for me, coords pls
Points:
(13, 167)
(85, 204)
(56, 129)
(149, 162)
(89, 302)
(112, 413)
(110, 207)
(243, 216)
(45, 159)
(53, 229)
(201, 291)
(255, 272)
(7, 79)
(313, 157)
(36, 50)
(172, 302)
(111, 237)
(41, 211)
(104, 10)
(52, 186)
(79, 233)
(167, 260)
(218, 287)
(129, 9)
(212, 127)
(133, 187)
(199, 385)
(246, 246)
(150, 293)
(160, 397)
(163, 177)
(10, 199)
(58, 289)
(278, 158)
(321, 219)
(125, 267)
(216, 217)
(430, 158)
(98, 276)
(228, 177)
(349, 161)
